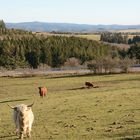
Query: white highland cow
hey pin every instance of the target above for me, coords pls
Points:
(23, 118)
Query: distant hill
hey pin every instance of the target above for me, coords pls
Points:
(67, 27)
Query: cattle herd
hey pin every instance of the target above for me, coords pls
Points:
(23, 115)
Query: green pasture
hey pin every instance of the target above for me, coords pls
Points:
(72, 112)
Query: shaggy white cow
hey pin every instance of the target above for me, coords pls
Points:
(23, 118)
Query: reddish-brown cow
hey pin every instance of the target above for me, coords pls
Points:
(42, 91)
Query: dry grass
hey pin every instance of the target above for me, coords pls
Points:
(129, 31)
(90, 36)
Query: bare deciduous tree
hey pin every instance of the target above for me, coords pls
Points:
(125, 64)
(72, 62)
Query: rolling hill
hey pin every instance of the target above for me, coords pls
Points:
(68, 27)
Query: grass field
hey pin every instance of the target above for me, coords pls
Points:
(70, 112)
(95, 37)
(128, 31)
(90, 36)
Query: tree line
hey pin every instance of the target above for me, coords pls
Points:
(53, 51)
(134, 40)
(20, 49)
(119, 38)
(114, 38)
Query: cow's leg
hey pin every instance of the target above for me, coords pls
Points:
(28, 132)
(29, 129)
(21, 135)
(16, 131)
(44, 94)
(22, 130)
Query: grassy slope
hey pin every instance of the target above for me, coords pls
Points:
(111, 112)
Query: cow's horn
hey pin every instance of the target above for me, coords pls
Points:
(30, 105)
(11, 106)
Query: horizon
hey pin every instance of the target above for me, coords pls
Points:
(70, 23)
(91, 12)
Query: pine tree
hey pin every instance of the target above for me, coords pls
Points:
(2, 24)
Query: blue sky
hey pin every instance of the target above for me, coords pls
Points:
(71, 11)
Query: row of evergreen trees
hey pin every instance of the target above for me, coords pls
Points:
(114, 38)
(53, 50)
(119, 38)
(20, 48)
(2, 24)
(134, 40)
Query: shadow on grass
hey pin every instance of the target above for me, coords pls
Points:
(132, 110)
(127, 138)
(132, 134)
(77, 88)
(82, 88)
(7, 101)
(6, 137)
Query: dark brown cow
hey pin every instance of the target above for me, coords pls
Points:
(89, 84)
(42, 91)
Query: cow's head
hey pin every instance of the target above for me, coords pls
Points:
(22, 108)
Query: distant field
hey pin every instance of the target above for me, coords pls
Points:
(91, 36)
(72, 112)
(129, 31)
(131, 36)
(88, 36)
(135, 31)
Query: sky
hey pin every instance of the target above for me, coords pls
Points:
(95, 12)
